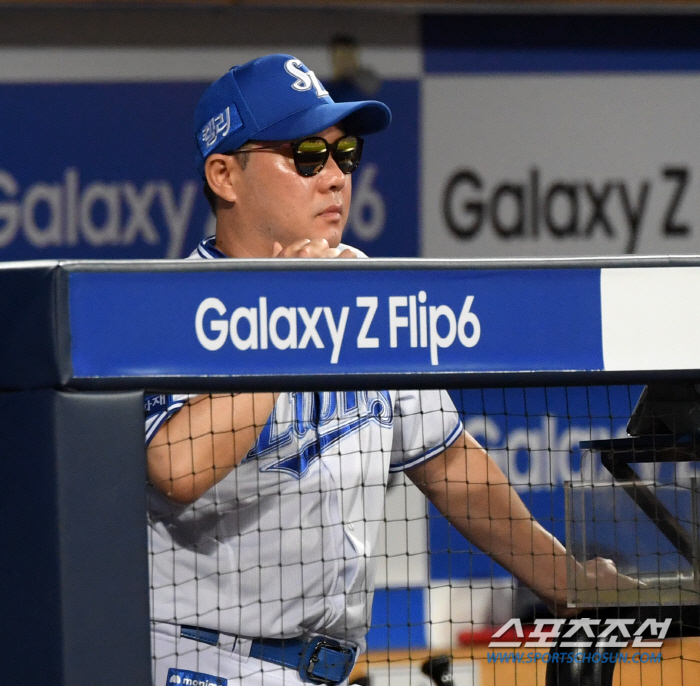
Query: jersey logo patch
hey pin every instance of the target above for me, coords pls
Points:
(319, 421)
(184, 677)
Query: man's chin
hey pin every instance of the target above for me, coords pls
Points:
(333, 234)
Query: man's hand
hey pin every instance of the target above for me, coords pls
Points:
(314, 247)
(473, 493)
(597, 576)
(205, 441)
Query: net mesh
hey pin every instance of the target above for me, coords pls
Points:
(279, 518)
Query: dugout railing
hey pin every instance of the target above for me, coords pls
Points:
(82, 339)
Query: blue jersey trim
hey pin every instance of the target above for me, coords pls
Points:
(430, 454)
(208, 250)
(159, 408)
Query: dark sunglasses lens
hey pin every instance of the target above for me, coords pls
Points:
(310, 156)
(347, 154)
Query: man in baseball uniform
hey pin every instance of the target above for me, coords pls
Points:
(265, 508)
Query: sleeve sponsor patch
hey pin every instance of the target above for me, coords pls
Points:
(184, 677)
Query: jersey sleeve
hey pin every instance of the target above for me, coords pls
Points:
(159, 408)
(425, 424)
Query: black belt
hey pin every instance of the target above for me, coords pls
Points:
(318, 660)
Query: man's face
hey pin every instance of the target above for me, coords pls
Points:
(275, 203)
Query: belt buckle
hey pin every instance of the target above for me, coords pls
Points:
(319, 645)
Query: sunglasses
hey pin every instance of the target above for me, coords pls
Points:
(311, 154)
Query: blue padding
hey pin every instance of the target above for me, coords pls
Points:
(529, 320)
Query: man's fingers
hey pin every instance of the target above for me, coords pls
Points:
(291, 250)
(606, 576)
(624, 581)
(314, 247)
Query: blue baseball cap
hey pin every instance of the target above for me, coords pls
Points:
(275, 98)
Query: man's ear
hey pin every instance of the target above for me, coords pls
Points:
(220, 171)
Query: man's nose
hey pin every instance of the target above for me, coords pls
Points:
(331, 177)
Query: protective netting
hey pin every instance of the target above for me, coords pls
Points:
(294, 529)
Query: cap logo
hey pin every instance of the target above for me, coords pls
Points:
(218, 127)
(305, 80)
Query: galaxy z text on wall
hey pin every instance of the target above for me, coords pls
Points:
(569, 209)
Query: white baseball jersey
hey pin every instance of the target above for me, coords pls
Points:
(285, 544)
